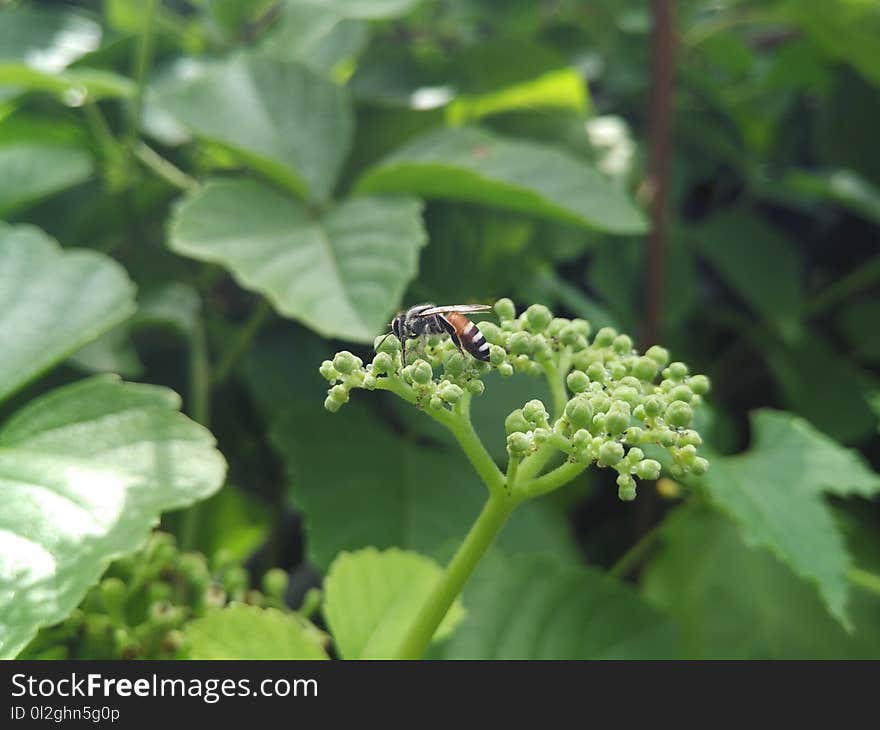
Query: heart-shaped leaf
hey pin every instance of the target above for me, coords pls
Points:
(84, 473)
(342, 275)
(32, 170)
(250, 632)
(280, 117)
(52, 302)
(473, 165)
(372, 598)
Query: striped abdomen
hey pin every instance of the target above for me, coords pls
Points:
(465, 334)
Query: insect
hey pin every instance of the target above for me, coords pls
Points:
(428, 319)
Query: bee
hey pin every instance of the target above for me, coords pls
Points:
(428, 319)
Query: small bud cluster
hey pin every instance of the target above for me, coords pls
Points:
(619, 401)
(142, 603)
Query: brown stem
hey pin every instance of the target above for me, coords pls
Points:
(657, 188)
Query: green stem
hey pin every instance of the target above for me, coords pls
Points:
(864, 579)
(858, 279)
(636, 554)
(556, 380)
(551, 480)
(242, 341)
(481, 536)
(142, 58)
(169, 172)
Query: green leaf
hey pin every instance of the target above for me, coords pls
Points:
(74, 86)
(30, 171)
(733, 602)
(52, 302)
(473, 165)
(774, 492)
(844, 187)
(759, 264)
(112, 352)
(342, 275)
(530, 607)
(398, 494)
(281, 118)
(361, 9)
(84, 473)
(858, 323)
(373, 597)
(47, 39)
(249, 632)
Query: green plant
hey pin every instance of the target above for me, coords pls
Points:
(606, 409)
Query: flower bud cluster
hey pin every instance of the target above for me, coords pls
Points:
(620, 402)
(142, 603)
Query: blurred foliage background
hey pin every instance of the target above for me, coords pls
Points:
(765, 276)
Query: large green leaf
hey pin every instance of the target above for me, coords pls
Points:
(84, 473)
(47, 39)
(774, 492)
(281, 118)
(74, 86)
(249, 632)
(362, 9)
(531, 607)
(733, 602)
(30, 171)
(473, 165)
(759, 264)
(342, 275)
(52, 302)
(373, 597)
(358, 485)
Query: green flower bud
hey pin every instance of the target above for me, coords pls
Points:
(605, 337)
(537, 317)
(476, 387)
(699, 384)
(516, 422)
(557, 324)
(596, 372)
(622, 344)
(654, 406)
(610, 453)
(451, 393)
(579, 411)
(600, 402)
(635, 455)
(578, 381)
(569, 335)
(518, 444)
(370, 382)
(699, 467)
(505, 369)
(626, 394)
(678, 414)
(645, 369)
(421, 372)
(454, 363)
(581, 439)
(682, 393)
(542, 435)
(659, 355)
(633, 435)
(113, 595)
(648, 469)
(435, 403)
(492, 332)
(497, 355)
(388, 344)
(616, 369)
(598, 423)
(275, 583)
(689, 437)
(687, 454)
(582, 326)
(627, 491)
(534, 369)
(328, 372)
(383, 363)
(535, 411)
(332, 405)
(678, 371)
(520, 343)
(345, 362)
(639, 412)
(617, 419)
(504, 309)
(521, 363)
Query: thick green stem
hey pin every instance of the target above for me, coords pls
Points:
(481, 536)
(551, 480)
(556, 380)
(163, 168)
(864, 579)
(242, 341)
(142, 58)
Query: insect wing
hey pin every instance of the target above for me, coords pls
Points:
(455, 308)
